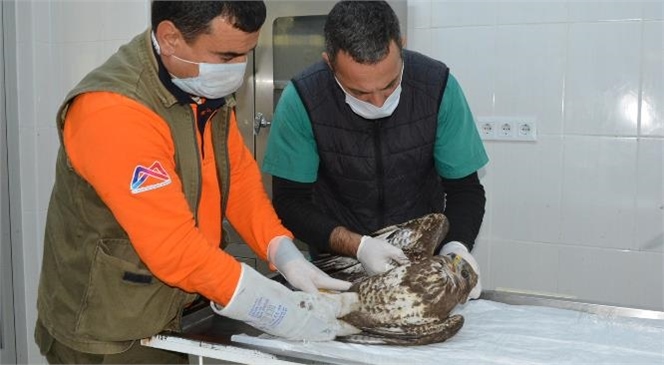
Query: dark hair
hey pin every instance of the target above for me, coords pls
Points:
(193, 18)
(363, 29)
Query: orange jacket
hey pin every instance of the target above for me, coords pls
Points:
(107, 136)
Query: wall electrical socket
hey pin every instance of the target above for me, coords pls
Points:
(487, 130)
(507, 128)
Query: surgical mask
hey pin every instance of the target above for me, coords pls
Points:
(214, 80)
(370, 111)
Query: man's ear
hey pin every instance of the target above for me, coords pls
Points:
(326, 58)
(403, 42)
(168, 37)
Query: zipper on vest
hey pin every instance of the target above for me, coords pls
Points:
(199, 184)
(200, 126)
(380, 174)
(205, 110)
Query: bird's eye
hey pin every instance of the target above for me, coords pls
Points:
(465, 274)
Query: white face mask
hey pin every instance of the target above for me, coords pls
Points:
(214, 80)
(370, 111)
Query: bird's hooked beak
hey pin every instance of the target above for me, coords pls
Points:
(456, 262)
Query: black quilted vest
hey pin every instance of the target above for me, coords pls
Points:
(374, 173)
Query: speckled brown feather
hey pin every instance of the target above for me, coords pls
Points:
(409, 304)
(417, 238)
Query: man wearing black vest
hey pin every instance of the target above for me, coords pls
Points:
(370, 136)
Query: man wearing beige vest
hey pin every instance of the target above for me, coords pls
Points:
(151, 162)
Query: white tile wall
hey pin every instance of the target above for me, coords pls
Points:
(70, 70)
(627, 278)
(93, 21)
(532, 52)
(514, 264)
(454, 13)
(482, 254)
(78, 21)
(591, 187)
(652, 110)
(593, 10)
(45, 99)
(579, 212)
(466, 50)
(483, 246)
(523, 210)
(31, 253)
(420, 40)
(48, 142)
(653, 10)
(599, 191)
(40, 21)
(134, 15)
(531, 12)
(419, 14)
(28, 155)
(602, 78)
(650, 196)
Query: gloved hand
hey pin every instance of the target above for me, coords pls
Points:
(460, 249)
(274, 309)
(376, 255)
(298, 271)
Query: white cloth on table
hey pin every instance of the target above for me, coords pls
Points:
(498, 333)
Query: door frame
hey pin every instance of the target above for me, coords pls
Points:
(8, 161)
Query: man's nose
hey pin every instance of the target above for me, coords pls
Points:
(377, 99)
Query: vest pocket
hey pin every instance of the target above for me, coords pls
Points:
(124, 301)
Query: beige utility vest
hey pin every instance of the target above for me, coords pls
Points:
(85, 300)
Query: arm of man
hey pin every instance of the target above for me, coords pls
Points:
(249, 209)
(294, 205)
(464, 208)
(459, 154)
(251, 213)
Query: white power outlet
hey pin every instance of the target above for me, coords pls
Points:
(506, 130)
(516, 129)
(487, 129)
(526, 130)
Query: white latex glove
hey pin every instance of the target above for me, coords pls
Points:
(300, 273)
(272, 308)
(460, 249)
(377, 256)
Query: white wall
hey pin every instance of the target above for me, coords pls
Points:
(578, 213)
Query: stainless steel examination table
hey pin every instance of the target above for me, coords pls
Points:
(500, 327)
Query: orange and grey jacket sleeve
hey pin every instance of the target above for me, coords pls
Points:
(293, 202)
(464, 208)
